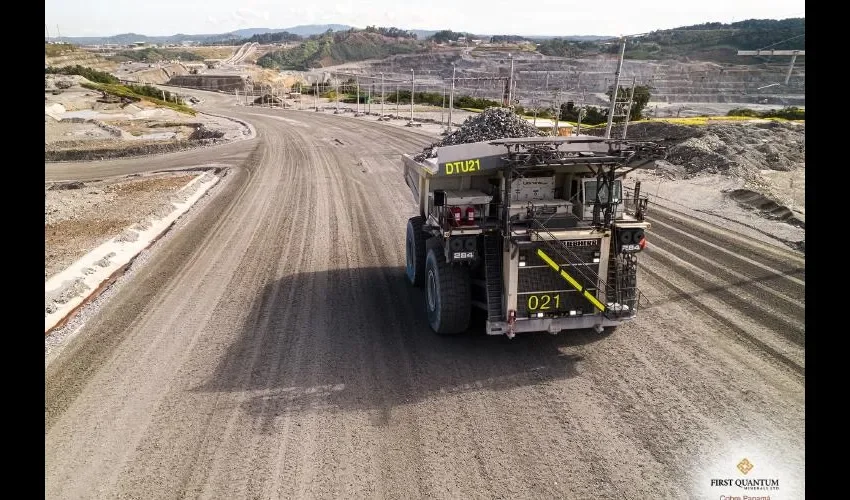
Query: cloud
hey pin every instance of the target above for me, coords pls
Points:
(244, 14)
(343, 9)
(212, 20)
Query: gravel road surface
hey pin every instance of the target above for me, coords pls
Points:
(271, 348)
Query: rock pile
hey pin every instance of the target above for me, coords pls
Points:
(737, 149)
(743, 149)
(203, 132)
(489, 125)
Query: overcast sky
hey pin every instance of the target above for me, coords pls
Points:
(535, 17)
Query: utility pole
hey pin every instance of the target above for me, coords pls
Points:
(316, 95)
(443, 107)
(557, 112)
(396, 100)
(369, 98)
(337, 96)
(412, 90)
(451, 99)
(357, 83)
(629, 108)
(382, 95)
(511, 83)
(615, 91)
(534, 103)
(578, 123)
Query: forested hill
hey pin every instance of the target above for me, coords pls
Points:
(716, 42)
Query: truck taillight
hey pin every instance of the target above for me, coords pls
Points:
(642, 242)
(470, 215)
(456, 214)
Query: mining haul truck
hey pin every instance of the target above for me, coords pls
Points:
(535, 232)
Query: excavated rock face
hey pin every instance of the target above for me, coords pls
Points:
(489, 125)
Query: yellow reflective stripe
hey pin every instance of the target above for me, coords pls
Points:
(547, 259)
(594, 301)
(589, 296)
(572, 281)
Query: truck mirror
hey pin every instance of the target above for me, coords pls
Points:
(439, 197)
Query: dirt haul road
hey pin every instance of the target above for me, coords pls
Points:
(272, 349)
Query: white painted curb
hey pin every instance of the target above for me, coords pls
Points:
(67, 290)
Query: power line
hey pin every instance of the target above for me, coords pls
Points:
(782, 41)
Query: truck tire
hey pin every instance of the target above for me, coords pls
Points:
(415, 253)
(447, 294)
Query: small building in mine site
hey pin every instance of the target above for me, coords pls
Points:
(547, 125)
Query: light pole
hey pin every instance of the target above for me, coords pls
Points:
(382, 95)
(357, 83)
(412, 90)
(451, 99)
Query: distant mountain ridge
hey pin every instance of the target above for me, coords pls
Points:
(304, 30)
(128, 38)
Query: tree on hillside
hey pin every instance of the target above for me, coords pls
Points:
(591, 115)
(639, 102)
(267, 38)
(508, 39)
(445, 36)
(391, 32)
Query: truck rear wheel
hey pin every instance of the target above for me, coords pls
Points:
(447, 294)
(415, 253)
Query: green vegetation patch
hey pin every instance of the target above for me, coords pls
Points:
(89, 74)
(142, 93)
(786, 113)
(152, 55)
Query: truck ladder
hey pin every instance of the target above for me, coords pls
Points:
(493, 276)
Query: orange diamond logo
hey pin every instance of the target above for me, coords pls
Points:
(745, 466)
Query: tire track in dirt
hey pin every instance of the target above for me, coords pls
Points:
(781, 259)
(288, 358)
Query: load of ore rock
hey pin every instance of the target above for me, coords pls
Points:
(489, 125)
